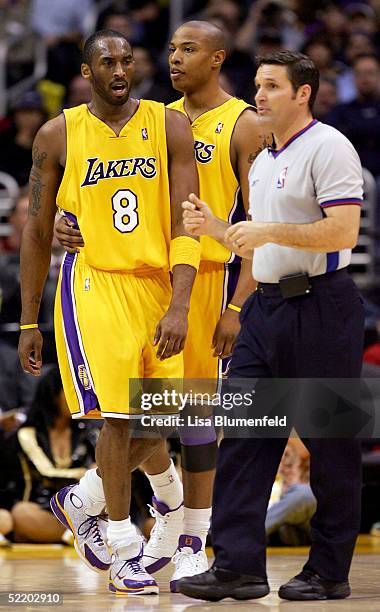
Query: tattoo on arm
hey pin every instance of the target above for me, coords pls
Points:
(36, 189)
(252, 156)
(38, 157)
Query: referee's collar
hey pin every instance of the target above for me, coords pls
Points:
(275, 153)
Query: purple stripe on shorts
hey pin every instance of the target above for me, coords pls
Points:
(90, 401)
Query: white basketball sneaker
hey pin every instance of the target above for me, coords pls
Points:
(90, 532)
(190, 559)
(164, 536)
(129, 577)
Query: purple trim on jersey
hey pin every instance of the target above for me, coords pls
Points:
(233, 271)
(332, 261)
(90, 401)
(292, 139)
(72, 218)
(341, 201)
(238, 214)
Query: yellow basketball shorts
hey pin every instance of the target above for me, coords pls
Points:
(104, 328)
(213, 288)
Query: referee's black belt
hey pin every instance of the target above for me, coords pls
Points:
(299, 284)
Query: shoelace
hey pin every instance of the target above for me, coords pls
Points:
(134, 565)
(159, 526)
(187, 557)
(91, 525)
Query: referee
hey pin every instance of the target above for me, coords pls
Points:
(304, 321)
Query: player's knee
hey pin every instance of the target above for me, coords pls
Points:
(199, 457)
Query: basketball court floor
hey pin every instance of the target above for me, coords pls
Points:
(56, 569)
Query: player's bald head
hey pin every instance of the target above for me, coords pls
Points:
(204, 32)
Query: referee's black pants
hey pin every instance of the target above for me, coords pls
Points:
(313, 336)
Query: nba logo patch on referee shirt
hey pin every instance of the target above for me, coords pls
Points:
(281, 178)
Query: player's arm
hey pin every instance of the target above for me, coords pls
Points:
(37, 236)
(172, 329)
(246, 143)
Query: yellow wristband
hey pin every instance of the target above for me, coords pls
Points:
(233, 307)
(30, 326)
(184, 250)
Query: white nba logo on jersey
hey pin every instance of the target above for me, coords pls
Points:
(144, 134)
(281, 178)
(87, 284)
(219, 128)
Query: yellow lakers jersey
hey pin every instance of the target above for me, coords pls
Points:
(218, 185)
(117, 188)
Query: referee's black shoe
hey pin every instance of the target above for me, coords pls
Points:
(308, 586)
(216, 584)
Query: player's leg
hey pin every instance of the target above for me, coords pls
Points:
(71, 505)
(102, 322)
(31, 523)
(167, 509)
(153, 295)
(127, 574)
(167, 488)
(198, 444)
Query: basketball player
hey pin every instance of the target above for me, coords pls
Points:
(119, 168)
(227, 139)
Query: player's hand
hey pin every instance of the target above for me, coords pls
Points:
(171, 333)
(70, 238)
(197, 216)
(225, 334)
(245, 236)
(30, 351)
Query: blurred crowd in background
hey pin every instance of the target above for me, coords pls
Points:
(40, 59)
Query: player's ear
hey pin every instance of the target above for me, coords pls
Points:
(219, 57)
(85, 70)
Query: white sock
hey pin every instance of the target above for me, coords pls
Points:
(123, 535)
(91, 489)
(197, 523)
(167, 486)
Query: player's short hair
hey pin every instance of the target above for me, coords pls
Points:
(300, 68)
(216, 38)
(90, 44)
